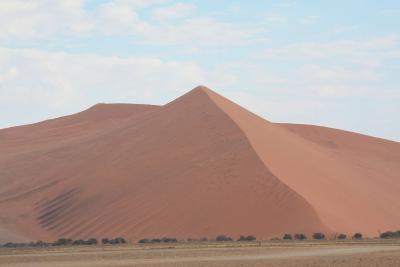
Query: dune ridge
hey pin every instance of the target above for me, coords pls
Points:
(196, 167)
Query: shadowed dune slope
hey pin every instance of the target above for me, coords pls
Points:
(196, 167)
(351, 180)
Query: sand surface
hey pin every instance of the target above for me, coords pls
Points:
(295, 254)
(196, 167)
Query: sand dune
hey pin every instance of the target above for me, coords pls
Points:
(198, 166)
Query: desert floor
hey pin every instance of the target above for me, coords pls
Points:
(279, 253)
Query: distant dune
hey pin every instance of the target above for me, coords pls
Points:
(196, 167)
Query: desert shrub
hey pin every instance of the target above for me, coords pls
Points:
(357, 236)
(38, 244)
(204, 239)
(158, 240)
(120, 240)
(222, 238)
(92, 241)
(390, 234)
(275, 239)
(247, 238)
(115, 241)
(169, 240)
(300, 237)
(63, 242)
(144, 241)
(15, 245)
(318, 236)
(287, 237)
(341, 236)
(10, 245)
(79, 242)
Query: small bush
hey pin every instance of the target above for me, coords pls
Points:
(318, 236)
(144, 241)
(222, 238)
(287, 237)
(79, 242)
(40, 244)
(120, 240)
(115, 241)
(10, 245)
(390, 234)
(357, 236)
(341, 237)
(169, 240)
(63, 242)
(275, 239)
(300, 237)
(92, 241)
(247, 238)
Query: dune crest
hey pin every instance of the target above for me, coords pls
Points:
(196, 167)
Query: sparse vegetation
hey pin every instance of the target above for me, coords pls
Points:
(341, 237)
(318, 236)
(287, 237)
(81, 242)
(63, 242)
(300, 237)
(247, 238)
(67, 242)
(158, 240)
(222, 238)
(390, 234)
(357, 236)
(169, 240)
(118, 240)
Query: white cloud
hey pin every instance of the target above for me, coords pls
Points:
(45, 19)
(176, 11)
(371, 52)
(55, 84)
(200, 31)
(318, 72)
(25, 20)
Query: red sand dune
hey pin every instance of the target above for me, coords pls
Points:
(197, 167)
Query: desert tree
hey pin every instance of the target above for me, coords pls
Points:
(318, 236)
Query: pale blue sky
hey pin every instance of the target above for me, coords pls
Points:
(332, 63)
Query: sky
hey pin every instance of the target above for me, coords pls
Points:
(330, 63)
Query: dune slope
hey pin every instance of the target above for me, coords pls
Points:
(351, 180)
(196, 167)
